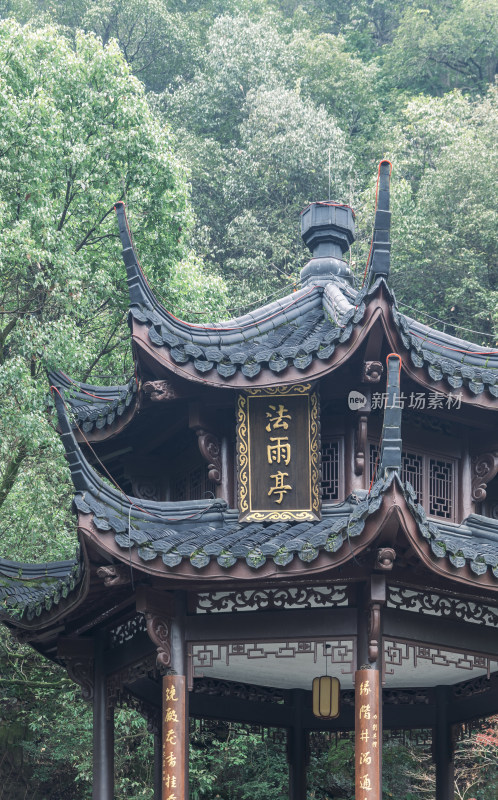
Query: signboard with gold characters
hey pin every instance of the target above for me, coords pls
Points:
(278, 453)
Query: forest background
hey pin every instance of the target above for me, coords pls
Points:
(215, 121)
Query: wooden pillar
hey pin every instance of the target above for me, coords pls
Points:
(443, 747)
(368, 690)
(175, 728)
(297, 749)
(103, 730)
(368, 735)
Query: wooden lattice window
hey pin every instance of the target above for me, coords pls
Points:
(332, 472)
(193, 485)
(412, 471)
(441, 491)
(434, 480)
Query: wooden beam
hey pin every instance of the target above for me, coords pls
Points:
(438, 631)
(271, 625)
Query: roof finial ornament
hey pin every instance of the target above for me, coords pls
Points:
(328, 230)
(379, 260)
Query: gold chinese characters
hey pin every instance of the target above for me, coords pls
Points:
(173, 737)
(279, 450)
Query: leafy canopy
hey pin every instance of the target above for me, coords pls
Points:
(76, 134)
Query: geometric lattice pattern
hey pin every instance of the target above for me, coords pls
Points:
(193, 485)
(441, 488)
(330, 470)
(411, 471)
(432, 478)
(400, 652)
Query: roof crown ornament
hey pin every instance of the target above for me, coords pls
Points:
(328, 230)
(379, 258)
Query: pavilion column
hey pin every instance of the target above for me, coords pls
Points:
(297, 749)
(443, 746)
(175, 727)
(103, 729)
(368, 691)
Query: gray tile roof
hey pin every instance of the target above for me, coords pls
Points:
(215, 533)
(327, 317)
(298, 329)
(95, 407)
(28, 590)
(474, 543)
(199, 532)
(448, 358)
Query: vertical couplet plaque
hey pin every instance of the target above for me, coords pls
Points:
(174, 727)
(368, 736)
(278, 454)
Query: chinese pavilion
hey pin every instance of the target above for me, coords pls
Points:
(310, 488)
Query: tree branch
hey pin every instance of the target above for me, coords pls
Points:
(4, 334)
(87, 236)
(11, 472)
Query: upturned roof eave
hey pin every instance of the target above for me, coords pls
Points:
(97, 412)
(30, 604)
(396, 513)
(380, 305)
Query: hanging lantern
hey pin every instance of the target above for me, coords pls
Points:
(326, 694)
(326, 697)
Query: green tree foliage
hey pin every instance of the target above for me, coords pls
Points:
(76, 135)
(46, 754)
(446, 45)
(235, 764)
(445, 250)
(258, 148)
(258, 94)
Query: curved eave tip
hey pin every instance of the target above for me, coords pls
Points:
(385, 167)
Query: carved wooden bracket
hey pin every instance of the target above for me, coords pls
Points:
(160, 391)
(372, 371)
(484, 469)
(385, 558)
(77, 655)
(211, 452)
(114, 575)
(360, 444)
(158, 628)
(157, 610)
(376, 600)
(374, 620)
